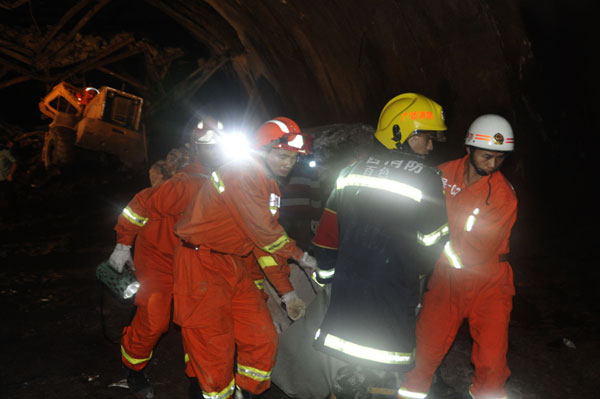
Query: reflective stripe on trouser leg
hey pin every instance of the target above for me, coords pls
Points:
(150, 322)
(255, 337)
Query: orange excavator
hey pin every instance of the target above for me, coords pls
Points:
(104, 119)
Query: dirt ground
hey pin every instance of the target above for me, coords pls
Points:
(59, 330)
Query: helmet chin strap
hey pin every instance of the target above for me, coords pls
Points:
(480, 171)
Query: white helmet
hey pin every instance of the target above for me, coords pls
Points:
(491, 132)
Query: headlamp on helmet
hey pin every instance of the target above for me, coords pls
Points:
(284, 133)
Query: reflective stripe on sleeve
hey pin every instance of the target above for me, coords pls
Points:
(325, 274)
(452, 256)
(365, 352)
(379, 183)
(432, 238)
(260, 284)
(277, 244)
(224, 394)
(253, 373)
(133, 217)
(133, 360)
(266, 261)
(404, 393)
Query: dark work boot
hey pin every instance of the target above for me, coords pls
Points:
(440, 389)
(195, 392)
(139, 385)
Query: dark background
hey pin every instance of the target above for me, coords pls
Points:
(319, 63)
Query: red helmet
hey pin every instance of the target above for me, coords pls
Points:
(282, 132)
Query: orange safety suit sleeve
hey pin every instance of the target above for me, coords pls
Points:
(133, 217)
(488, 233)
(247, 197)
(276, 269)
(172, 197)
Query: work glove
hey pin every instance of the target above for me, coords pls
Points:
(294, 306)
(120, 257)
(308, 262)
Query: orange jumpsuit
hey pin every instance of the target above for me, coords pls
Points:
(215, 301)
(150, 216)
(478, 286)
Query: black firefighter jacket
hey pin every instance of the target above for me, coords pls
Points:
(383, 229)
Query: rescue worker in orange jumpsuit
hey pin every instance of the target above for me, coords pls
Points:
(149, 220)
(216, 302)
(477, 283)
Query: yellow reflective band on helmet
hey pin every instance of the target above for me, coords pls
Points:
(431, 238)
(133, 217)
(379, 183)
(266, 261)
(255, 374)
(217, 182)
(403, 393)
(133, 360)
(367, 353)
(452, 256)
(224, 394)
(260, 284)
(471, 220)
(277, 244)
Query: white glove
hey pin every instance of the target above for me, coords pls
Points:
(308, 262)
(120, 256)
(294, 306)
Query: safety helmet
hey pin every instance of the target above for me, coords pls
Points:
(207, 131)
(284, 133)
(408, 114)
(491, 132)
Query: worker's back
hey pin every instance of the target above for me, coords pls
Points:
(390, 214)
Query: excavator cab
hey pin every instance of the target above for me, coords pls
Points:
(108, 121)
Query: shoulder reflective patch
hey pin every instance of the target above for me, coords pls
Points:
(379, 183)
(133, 217)
(133, 360)
(277, 244)
(217, 182)
(253, 373)
(406, 394)
(452, 256)
(367, 353)
(432, 238)
(266, 261)
(225, 393)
